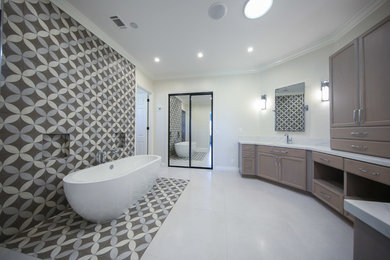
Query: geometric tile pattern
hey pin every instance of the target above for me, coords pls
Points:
(65, 95)
(69, 236)
(195, 156)
(289, 113)
(175, 123)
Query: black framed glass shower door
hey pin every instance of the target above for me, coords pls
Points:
(190, 130)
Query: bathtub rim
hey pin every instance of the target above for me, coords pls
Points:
(68, 179)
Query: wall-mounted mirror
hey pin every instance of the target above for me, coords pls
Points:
(290, 108)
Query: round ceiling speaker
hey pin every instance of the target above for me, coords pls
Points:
(217, 11)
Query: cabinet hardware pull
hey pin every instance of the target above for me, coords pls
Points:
(359, 147)
(369, 172)
(360, 115)
(324, 195)
(354, 116)
(325, 160)
(359, 133)
(279, 151)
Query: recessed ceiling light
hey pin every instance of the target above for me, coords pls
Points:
(250, 49)
(200, 54)
(256, 8)
(156, 59)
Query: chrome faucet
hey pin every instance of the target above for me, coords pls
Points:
(102, 155)
(288, 139)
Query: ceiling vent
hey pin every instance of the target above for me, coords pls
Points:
(118, 21)
(217, 11)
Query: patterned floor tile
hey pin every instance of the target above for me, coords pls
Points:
(69, 236)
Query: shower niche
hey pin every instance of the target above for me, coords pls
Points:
(120, 140)
(190, 133)
(55, 146)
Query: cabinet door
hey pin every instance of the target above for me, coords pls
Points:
(248, 166)
(344, 94)
(293, 172)
(375, 75)
(267, 166)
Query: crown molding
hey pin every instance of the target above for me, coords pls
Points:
(365, 12)
(357, 19)
(87, 23)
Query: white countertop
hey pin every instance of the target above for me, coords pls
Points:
(313, 144)
(374, 214)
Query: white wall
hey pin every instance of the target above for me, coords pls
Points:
(201, 126)
(236, 98)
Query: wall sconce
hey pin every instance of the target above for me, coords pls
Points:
(324, 91)
(263, 102)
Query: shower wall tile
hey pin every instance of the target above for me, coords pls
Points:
(175, 123)
(57, 79)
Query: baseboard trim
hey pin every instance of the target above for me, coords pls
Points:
(226, 168)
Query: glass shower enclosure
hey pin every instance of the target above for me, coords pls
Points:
(190, 130)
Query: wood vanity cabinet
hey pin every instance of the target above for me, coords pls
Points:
(359, 91)
(267, 163)
(328, 180)
(293, 172)
(248, 159)
(284, 165)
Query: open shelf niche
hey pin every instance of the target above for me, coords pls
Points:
(329, 177)
(364, 189)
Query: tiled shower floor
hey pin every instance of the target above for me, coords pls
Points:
(69, 236)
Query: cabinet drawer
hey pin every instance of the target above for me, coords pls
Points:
(248, 150)
(328, 196)
(282, 151)
(330, 160)
(381, 149)
(362, 133)
(367, 170)
(264, 148)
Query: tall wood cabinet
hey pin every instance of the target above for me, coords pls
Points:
(360, 91)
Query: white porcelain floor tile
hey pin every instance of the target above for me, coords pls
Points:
(221, 215)
(191, 233)
(203, 198)
(262, 238)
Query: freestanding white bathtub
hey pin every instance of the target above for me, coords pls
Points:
(102, 193)
(182, 149)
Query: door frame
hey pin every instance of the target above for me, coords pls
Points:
(147, 119)
(190, 94)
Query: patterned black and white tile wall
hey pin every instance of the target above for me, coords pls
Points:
(175, 123)
(289, 113)
(65, 95)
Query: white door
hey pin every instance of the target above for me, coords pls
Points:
(141, 122)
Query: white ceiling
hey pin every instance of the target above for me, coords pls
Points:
(176, 30)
